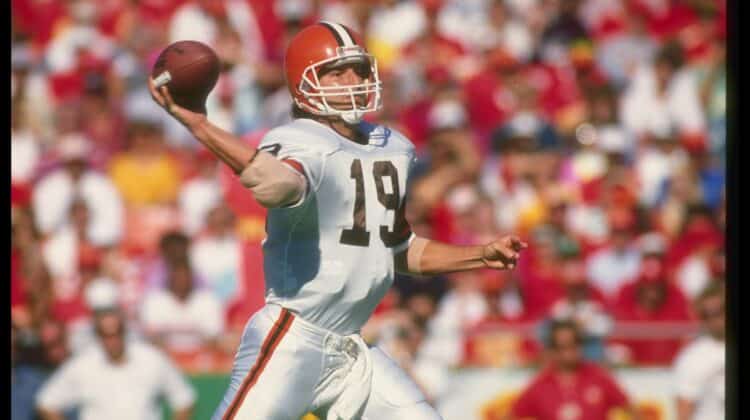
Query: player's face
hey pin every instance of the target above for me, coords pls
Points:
(345, 75)
(567, 350)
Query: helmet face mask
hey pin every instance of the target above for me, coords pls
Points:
(319, 49)
(319, 97)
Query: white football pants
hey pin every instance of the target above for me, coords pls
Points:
(286, 367)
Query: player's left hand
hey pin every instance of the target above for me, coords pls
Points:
(503, 253)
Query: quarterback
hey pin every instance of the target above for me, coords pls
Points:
(335, 234)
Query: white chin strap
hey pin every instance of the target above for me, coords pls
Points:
(352, 117)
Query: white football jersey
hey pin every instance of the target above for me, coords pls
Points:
(329, 257)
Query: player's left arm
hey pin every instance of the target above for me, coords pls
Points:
(427, 257)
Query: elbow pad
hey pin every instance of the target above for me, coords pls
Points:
(273, 183)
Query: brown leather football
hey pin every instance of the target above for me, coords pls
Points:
(190, 70)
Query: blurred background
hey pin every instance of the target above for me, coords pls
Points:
(595, 129)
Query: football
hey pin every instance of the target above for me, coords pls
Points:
(189, 70)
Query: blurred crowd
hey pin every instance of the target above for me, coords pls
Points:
(595, 129)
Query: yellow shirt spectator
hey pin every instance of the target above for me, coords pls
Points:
(146, 181)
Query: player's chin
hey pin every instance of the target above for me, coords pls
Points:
(347, 105)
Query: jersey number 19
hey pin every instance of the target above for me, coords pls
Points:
(358, 234)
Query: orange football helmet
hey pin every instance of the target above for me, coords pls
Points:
(325, 44)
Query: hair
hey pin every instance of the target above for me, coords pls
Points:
(172, 238)
(672, 55)
(556, 325)
(298, 112)
(139, 127)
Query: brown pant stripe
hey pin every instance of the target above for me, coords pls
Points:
(279, 329)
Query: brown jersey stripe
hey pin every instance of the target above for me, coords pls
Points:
(279, 329)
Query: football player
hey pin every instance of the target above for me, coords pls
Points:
(336, 233)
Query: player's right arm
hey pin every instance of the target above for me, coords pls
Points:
(273, 183)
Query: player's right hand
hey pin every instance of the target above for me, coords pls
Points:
(162, 97)
(503, 253)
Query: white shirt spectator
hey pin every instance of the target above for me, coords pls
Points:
(103, 390)
(609, 269)
(408, 17)
(621, 55)
(54, 194)
(190, 22)
(643, 109)
(218, 260)
(60, 255)
(693, 276)
(197, 197)
(653, 168)
(589, 221)
(62, 52)
(456, 310)
(590, 314)
(442, 348)
(471, 26)
(340, 12)
(699, 373)
(186, 324)
(510, 203)
(24, 156)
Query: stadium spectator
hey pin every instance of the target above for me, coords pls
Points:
(663, 97)
(87, 380)
(25, 150)
(507, 305)
(583, 304)
(35, 354)
(699, 370)
(612, 266)
(200, 194)
(73, 260)
(651, 298)
(145, 173)
(202, 20)
(54, 194)
(569, 387)
(102, 295)
(661, 161)
(31, 290)
(463, 306)
(626, 46)
(182, 318)
(506, 177)
(452, 159)
(174, 248)
(216, 255)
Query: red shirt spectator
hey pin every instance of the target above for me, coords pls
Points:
(17, 286)
(36, 18)
(569, 388)
(492, 101)
(591, 393)
(651, 298)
